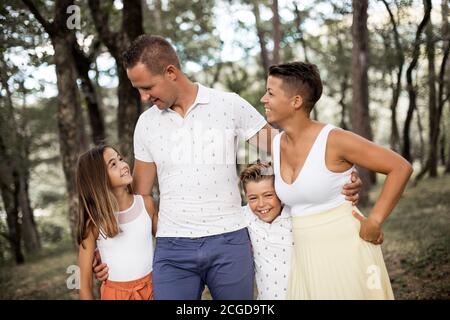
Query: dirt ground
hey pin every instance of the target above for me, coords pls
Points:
(416, 250)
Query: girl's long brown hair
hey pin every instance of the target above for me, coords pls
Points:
(97, 203)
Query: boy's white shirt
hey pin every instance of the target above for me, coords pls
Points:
(272, 249)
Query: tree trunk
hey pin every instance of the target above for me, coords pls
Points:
(83, 64)
(12, 219)
(396, 89)
(412, 94)
(72, 139)
(261, 37)
(442, 146)
(30, 234)
(9, 189)
(276, 33)
(421, 139)
(343, 89)
(16, 161)
(443, 76)
(433, 123)
(360, 100)
(447, 166)
(342, 103)
(433, 132)
(298, 22)
(9, 193)
(129, 107)
(157, 13)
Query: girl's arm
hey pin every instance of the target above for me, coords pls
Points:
(85, 258)
(357, 150)
(152, 212)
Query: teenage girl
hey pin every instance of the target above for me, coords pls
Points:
(118, 223)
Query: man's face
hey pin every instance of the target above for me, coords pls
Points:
(263, 200)
(154, 89)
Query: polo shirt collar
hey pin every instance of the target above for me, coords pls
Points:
(203, 97)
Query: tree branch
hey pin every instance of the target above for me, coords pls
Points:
(101, 22)
(48, 27)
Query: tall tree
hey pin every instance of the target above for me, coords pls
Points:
(9, 182)
(72, 139)
(360, 86)
(264, 53)
(267, 34)
(276, 32)
(30, 233)
(117, 42)
(412, 91)
(444, 80)
(433, 117)
(433, 121)
(16, 137)
(11, 205)
(299, 19)
(83, 63)
(397, 87)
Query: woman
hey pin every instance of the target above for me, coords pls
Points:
(337, 250)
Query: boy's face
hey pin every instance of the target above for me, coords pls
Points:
(263, 200)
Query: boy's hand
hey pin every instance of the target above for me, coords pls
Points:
(370, 229)
(351, 189)
(100, 269)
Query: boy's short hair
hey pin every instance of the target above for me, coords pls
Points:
(300, 78)
(256, 172)
(155, 52)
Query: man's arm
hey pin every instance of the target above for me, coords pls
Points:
(351, 190)
(262, 140)
(144, 176)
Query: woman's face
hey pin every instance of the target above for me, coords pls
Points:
(277, 104)
(118, 170)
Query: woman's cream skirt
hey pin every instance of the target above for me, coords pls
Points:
(331, 261)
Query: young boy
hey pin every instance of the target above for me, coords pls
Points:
(269, 226)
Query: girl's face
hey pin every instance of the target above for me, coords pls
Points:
(277, 104)
(263, 200)
(118, 170)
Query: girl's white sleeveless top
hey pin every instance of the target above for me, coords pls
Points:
(129, 255)
(316, 188)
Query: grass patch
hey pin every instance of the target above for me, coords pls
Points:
(417, 241)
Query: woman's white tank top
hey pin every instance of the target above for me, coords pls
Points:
(316, 188)
(129, 255)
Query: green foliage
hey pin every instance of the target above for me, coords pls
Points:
(50, 232)
(190, 27)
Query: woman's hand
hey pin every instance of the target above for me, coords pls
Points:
(370, 229)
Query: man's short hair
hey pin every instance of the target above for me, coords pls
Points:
(153, 51)
(300, 78)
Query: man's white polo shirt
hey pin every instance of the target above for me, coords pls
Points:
(272, 250)
(195, 158)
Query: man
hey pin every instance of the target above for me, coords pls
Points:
(189, 140)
